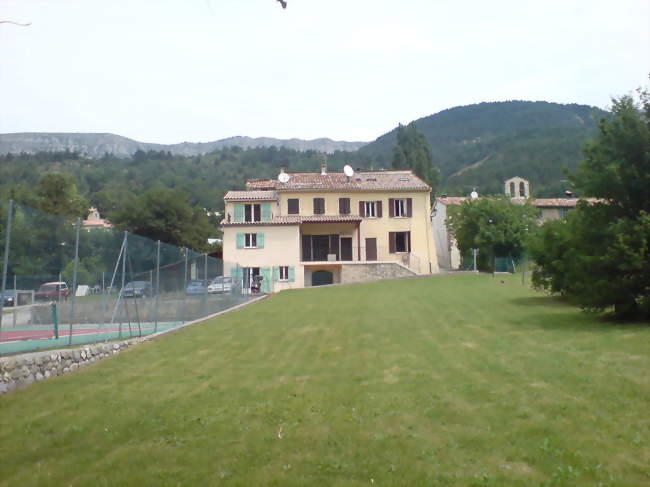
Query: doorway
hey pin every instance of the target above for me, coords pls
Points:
(321, 278)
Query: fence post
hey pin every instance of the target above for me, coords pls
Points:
(55, 319)
(185, 287)
(15, 298)
(74, 279)
(155, 329)
(205, 284)
(123, 276)
(5, 261)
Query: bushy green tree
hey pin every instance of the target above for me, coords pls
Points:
(495, 226)
(600, 255)
(166, 215)
(413, 151)
(57, 195)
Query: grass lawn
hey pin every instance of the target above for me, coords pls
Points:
(451, 380)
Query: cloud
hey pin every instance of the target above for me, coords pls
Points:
(390, 37)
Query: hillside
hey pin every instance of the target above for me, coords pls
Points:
(482, 145)
(96, 145)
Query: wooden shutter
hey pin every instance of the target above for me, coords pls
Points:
(266, 281)
(319, 206)
(292, 273)
(409, 207)
(260, 240)
(391, 207)
(408, 241)
(293, 206)
(362, 208)
(276, 273)
(239, 212)
(378, 209)
(344, 206)
(266, 212)
(240, 240)
(392, 242)
(306, 248)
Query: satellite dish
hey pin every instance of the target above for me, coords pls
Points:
(283, 177)
(349, 172)
(474, 195)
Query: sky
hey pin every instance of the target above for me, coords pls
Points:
(169, 71)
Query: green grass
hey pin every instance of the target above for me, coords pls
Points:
(452, 380)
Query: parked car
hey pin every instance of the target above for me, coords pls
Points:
(137, 289)
(8, 298)
(220, 284)
(52, 291)
(195, 287)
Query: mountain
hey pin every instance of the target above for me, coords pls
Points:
(96, 145)
(484, 144)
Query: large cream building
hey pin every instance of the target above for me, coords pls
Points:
(307, 229)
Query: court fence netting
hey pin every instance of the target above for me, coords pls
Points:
(65, 282)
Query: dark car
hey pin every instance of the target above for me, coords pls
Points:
(195, 287)
(52, 291)
(8, 298)
(138, 289)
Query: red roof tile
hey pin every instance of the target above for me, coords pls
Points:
(251, 196)
(297, 220)
(389, 180)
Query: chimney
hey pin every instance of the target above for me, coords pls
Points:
(323, 169)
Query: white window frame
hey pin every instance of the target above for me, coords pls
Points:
(400, 209)
(283, 273)
(250, 240)
(252, 212)
(370, 209)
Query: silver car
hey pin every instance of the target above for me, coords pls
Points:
(220, 284)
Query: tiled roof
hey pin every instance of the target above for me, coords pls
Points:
(538, 202)
(389, 180)
(251, 196)
(298, 219)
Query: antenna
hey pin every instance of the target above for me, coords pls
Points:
(348, 171)
(283, 177)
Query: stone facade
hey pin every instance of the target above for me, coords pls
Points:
(351, 273)
(22, 370)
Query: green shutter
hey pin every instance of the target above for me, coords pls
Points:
(276, 273)
(240, 240)
(292, 273)
(260, 240)
(266, 212)
(266, 282)
(239, 212)
(236, 273)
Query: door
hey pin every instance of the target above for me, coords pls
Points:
(371, 249)
(248, 275)
(321, 247)
(321, 278)
(346, 248)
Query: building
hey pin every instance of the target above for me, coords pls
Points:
(518, 189)
(308, 229)
(94, 220)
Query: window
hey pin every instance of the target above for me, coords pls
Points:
(284, 273)
(252, 213)
(399, 242)
(400, 208)
(522, 189)
(250, 241)
(370, 209)
(319, 206)
(293, 206)
(344, 206)
(512, 189)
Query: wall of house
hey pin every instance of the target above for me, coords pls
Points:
(422, 244)
(367, 272)
(281, 248)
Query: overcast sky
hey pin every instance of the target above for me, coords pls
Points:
(196, 70)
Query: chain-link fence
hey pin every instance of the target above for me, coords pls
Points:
(68, 282)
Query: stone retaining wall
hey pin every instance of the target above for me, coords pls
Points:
(22, 370)
(366, 272)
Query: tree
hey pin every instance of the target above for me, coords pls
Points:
(600, 256)
(57, 194)
(495, 226)
(412, 151)
(166, 215)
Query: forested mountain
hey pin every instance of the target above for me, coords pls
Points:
(483, 145)
(97, 145)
